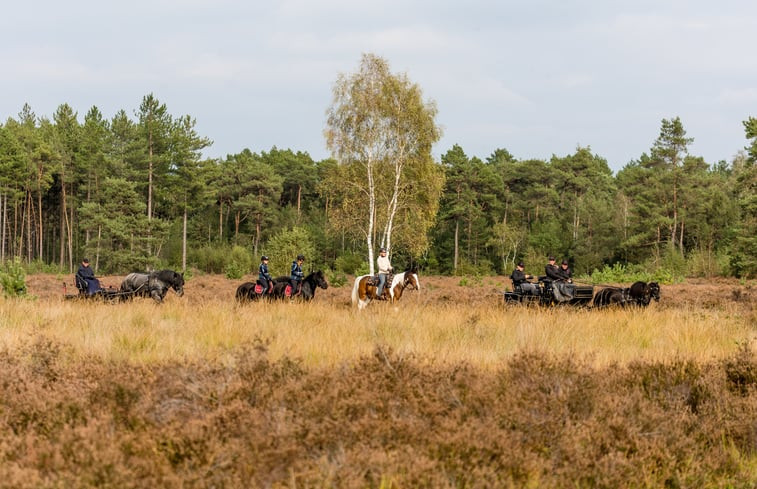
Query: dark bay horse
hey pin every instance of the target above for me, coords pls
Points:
(308, 287)
(153, 284)
(364, 290)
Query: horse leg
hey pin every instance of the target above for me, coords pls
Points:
(157, 296)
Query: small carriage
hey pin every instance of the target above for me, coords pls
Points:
(152, 284)
(548, 292)
(86, 291)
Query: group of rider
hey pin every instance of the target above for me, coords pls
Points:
(296, 275)
(521, 279)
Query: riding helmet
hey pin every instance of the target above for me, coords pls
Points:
(301, 257)
(263, 258)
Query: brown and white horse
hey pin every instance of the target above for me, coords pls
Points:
(364, 291)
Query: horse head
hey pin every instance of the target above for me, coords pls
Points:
(411, 278)
(320, 280)
(654, 291)
(173, 280)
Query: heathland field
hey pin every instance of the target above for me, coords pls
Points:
(449, 388)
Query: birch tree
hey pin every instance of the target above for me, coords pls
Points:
(381, 129)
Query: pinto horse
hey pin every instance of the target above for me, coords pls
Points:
(153, 284)
(307, 288)
(364, 290)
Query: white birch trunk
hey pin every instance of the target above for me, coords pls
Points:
(371, 211)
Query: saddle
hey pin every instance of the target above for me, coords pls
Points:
(289, 290)
(373, 280)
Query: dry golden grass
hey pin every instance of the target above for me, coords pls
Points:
(325, 334)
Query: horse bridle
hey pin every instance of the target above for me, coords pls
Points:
(408, 280)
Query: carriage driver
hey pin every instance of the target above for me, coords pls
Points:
(87, 276)
(384, 269)
(264, 277)
(521, 279)
(296, 276)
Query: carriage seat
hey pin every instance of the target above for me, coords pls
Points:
(81, 284)
(528, 290)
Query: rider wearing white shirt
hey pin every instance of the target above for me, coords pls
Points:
(384, 268)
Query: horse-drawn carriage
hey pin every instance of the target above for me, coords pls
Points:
(549, 292)
(152, 284)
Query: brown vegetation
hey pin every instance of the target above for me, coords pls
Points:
(414, 410)
(384, 421)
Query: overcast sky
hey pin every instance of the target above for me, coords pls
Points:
(537, 77)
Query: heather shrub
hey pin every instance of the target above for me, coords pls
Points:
(388, 419)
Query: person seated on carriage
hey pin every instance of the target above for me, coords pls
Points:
(264, 277)
(521, 280)
(296, 275)
(85, 278)
(384, 269)
(552, 271)
(565, 272)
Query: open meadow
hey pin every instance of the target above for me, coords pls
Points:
(449, 388)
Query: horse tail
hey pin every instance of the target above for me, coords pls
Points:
(356, 289)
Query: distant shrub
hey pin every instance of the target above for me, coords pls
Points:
(210, 259)
(38, 266)
(349, 262)
(13, 278)
(285, 246)
(619, 273)
(335, 278)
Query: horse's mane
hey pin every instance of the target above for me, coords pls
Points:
(169, 276)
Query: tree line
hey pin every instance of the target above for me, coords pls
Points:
(133, 192)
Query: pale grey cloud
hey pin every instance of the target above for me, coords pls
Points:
(534, 77)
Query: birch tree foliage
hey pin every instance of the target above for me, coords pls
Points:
(380, 129)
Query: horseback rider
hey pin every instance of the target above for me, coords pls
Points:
(85, 278)
(521, 279)
(296, 275)
(384, 269)
(264, 277)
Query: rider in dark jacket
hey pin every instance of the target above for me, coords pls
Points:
(296, 275)
(264, 277)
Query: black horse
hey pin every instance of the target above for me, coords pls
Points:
(307, 291)
(643, 292)
(638, 294)
(252, 291)
(153, 284)
(613, 296)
